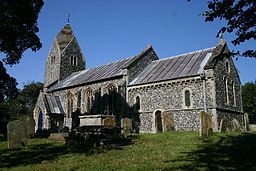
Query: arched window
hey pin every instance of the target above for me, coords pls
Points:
(79, 100)
(112, 99)
(187, 98)
(227, 66)
(88, 100)
(137, 103)
(226, 90)
(70, 105)
(234, 92)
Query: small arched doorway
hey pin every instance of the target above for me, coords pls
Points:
(40, 119)
(158, 121)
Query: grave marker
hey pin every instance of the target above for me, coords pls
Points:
(16, 133)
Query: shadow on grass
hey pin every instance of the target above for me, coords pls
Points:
(221, 152)
(30, 155)
(38, 153)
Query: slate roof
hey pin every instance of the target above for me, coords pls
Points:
(53, 104)
(184, 65)
(100, 73)
(92, 75)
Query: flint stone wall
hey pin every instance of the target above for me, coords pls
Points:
(169, 97)
(220, 72)
(41, 106)
(140, 65)
(52, 72)
(66, 68)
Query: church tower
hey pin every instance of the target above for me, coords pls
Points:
(65, 57)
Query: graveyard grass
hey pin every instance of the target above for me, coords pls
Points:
(165, 151)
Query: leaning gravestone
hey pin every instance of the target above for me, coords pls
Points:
(109, 121)
(235, 126)
(16, 133)
(29, 124)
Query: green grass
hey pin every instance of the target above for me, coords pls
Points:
(165, 151)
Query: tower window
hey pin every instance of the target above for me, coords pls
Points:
(73, 60)
(52, 60)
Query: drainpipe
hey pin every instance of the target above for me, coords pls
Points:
(202, 76)
(204, 90)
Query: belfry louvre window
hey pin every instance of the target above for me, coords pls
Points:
(52, 60)
(73, 60)
(187, 98)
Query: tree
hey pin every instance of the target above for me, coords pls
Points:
(241, 20)
(18, 28)
(249, 100)
(8, 85)
(8, 92)
(28, 97)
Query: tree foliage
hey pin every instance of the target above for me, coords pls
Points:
(22, 104)
(241, 20)
(28, 97)
(18, 28)
(8, 84)
(249, 100)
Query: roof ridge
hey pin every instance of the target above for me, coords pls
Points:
(112, 62)
(188, 53)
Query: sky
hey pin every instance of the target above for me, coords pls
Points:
(109, 30)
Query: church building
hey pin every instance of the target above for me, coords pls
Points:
(156, 94)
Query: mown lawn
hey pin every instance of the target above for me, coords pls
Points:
(165, 151)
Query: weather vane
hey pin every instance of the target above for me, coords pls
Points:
(221, 35)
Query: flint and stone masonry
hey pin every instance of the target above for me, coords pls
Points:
(156, 94)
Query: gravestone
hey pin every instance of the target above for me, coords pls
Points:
(221, 126)
(168, 122)
(205, 123)
(66, 129)
(127, 125)
(235, 126)
(16, 133)
(109, 121)
(246, 122)
(29, 124)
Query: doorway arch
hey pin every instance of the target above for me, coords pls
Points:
(157, 121)
(40, 119)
